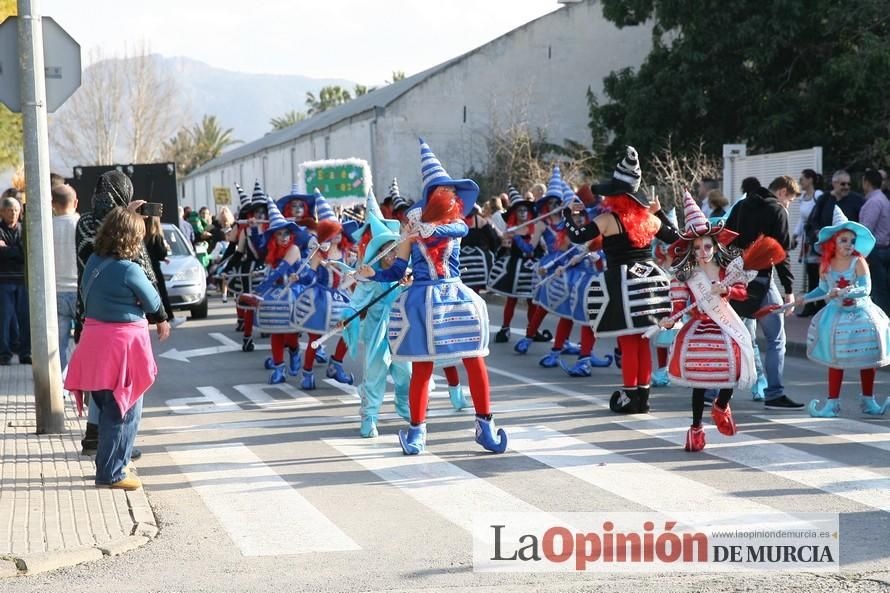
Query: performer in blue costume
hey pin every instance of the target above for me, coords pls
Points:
(437, 316)
(320, 306)
(850, 332)
(378, 363)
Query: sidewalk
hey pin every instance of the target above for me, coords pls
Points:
(51, 514)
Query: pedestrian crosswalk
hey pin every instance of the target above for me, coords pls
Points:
(632, 462)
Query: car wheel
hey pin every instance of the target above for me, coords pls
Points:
(199, 311)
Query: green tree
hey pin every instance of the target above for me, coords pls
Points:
(776, 75)
(361, 89)
(288, 119)
(328, 97)
(397, 75)
(192, 147)
(10, 123)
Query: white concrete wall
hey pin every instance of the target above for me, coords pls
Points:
(539, 73)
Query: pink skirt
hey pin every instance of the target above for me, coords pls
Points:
(115, 357)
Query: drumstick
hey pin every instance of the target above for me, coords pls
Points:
(675, 317)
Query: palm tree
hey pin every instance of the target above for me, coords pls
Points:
(328, 97)
(397, 75)
(288, 119)
(361, 89)
(191, 148)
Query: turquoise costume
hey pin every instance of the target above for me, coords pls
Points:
(850, 332)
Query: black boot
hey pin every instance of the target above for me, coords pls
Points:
(543, 336)
(90, 441)
(643, 400)
(617, 353)
(624, 402)
(247, 344)
(502, 336)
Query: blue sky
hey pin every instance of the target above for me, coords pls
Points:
(361, 40)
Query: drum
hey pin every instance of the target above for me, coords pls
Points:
(276, 311)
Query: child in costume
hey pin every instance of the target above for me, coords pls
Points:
(252, 246)
(376, 235)
(438, 317)
(633, 294)
(285, 242)
(320, 306)
(513, 272)
(564, 292)
(713, 349)
(550, 235)
(850, 332)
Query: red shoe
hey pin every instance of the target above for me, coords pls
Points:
(723, 420)
(695, 439)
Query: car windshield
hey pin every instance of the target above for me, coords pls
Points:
(176, 241)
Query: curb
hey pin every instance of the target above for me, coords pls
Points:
(144, 530)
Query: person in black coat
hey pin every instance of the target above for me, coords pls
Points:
(761, 213)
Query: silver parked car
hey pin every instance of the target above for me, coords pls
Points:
(184, 275)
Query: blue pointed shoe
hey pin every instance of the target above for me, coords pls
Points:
(321, 355)
(413, 440)
(600, 362)
(522, 345)
(551, 360)
(571, 349)
(580, 369)
(458, 397)
(308, 380)
(269, 364)
(831, 409)
(871, 407)
(485, 436)
(759, 388)
(278, 375)
(294, 362)
(338, 373)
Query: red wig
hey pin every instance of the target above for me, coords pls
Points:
(639, 225)
(442, 206)
(829, 250)
(275, 252)
(327, 229)
(512, 219)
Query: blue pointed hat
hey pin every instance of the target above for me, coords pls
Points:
(568, 195)
(323, 210)
(372, 208)
(278, 222)
(373, 213)
(554, 186)
(295, 194)
(381, 234)
(864, 242)
(434, 175)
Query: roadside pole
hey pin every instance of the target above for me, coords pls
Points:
(38, 220)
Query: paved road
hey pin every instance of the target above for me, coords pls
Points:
(261, 488)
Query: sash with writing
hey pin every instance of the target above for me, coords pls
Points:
(717, 308)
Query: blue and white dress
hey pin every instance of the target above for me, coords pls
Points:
(438, 316)
(320, 305)
(850, 332)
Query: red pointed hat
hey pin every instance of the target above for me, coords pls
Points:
(696, 224)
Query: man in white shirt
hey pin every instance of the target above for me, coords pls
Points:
(65, 217)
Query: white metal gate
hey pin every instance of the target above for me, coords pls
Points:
(767, 167)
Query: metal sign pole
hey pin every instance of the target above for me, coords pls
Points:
(38, 213)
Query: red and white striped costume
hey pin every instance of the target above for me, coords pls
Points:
(703, 355)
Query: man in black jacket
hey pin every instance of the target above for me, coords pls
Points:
(13, 290)
(762, 213)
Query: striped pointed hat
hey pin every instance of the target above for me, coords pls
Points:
(257, 199)
(243, 201)
(696, 224)
(398, 201)
(324, 212)
(517, 200)
(434, 175)
(625, 179)
(554, 186)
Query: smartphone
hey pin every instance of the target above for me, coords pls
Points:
(151, 209)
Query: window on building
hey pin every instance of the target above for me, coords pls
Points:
(327, 147)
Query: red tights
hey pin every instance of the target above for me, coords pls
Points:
(419, 391)
(836, 379)
(248, 323)
(279, 341)
(451, 376)
(309, 357)
(636, 360)
(564, 329)
(534, 320)
(510, 307)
